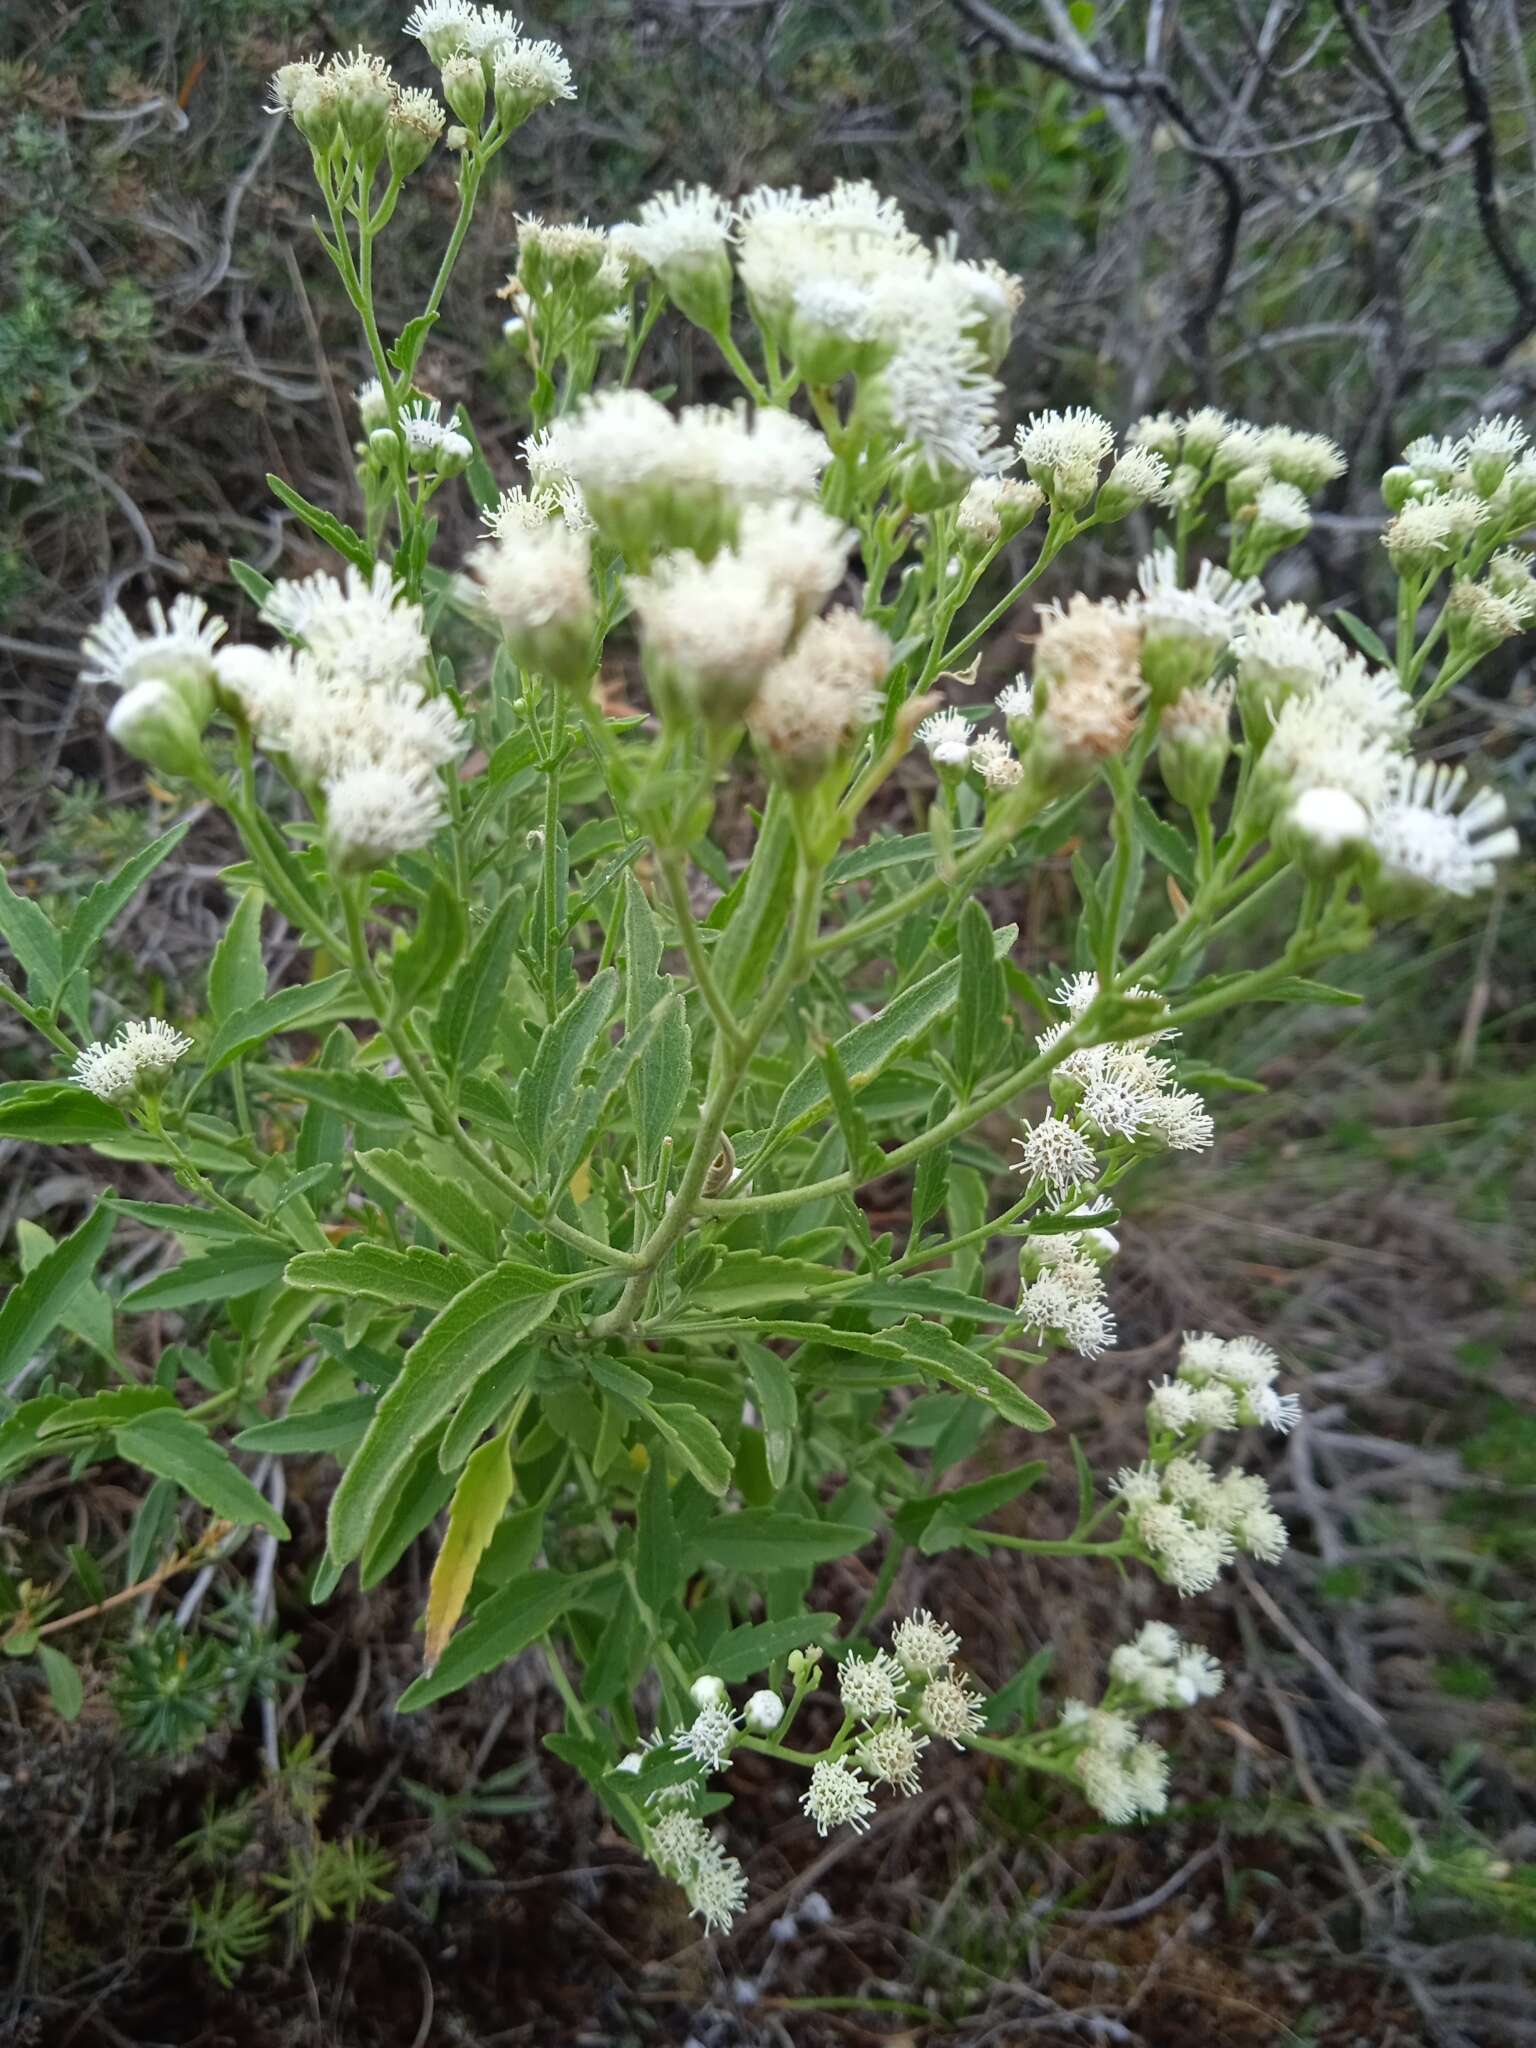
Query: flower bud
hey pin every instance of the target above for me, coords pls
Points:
(1160, 433)
(708, 1691)
(1397, 486)
(365, 96)
(832, 331)
(152, 722)
(538, 586)
(415, 123)
(1138, 475)
(1193, 743)
(763, 1713)
(464, 87)
(1244, 485)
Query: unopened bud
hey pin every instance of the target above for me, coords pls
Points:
(464, 88)
(763, 1713)
(1323, 831)
(708, 1691)
(153, 723)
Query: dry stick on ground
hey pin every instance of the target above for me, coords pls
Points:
(215, 1533)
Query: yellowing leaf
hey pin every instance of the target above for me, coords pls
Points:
(581, 1182)
(479, 1500)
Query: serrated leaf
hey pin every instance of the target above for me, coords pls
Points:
(414, 1278)
(233, 1270)
(479, 1501)
(334, 532)
(170, 1444)
(696, 1440)
(37, 1304)
(447, 1209)
(432, 952)
(938, 1353)
(57, 1113)
(370, 1100)
(869, 1048)
(964, 1506)
(743, 1652)
(287, 1009)
(499, 1628)
(88, 1314)
(545, 1088)
(36, 941)
(258, 588)
(1165, 842)
(465, 1339)
(745, 1280)
(466, 1026)
(237, 973)
(108, 898)
(107, 1410)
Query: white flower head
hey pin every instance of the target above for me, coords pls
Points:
(893, 1756)
(870, 1686)
(995, 761)
(1318, 745)
(716, 1888)
(1058, 1155)
(374, 811)
(711, 629)
(181, 642)
(950, 1708)
(947, 736)
(679, 1842)
(709, 1737)
(153, 1045)
(1309, 461)
(923, 1645)
(531, 74)
(107, 1071)
(837, 1796)
(1424, 845)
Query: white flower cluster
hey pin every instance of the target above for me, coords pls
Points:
(165, 677)
(1122, 1774)
(464, 40)
(1446, 494)
(654, 481)
(346, 709)
(136, 1061)
(1063, 1298)
(356, 98)
(1065, 454)
(714, 1882)
(1222, 1383)
(1192, 1521)
(842, 285)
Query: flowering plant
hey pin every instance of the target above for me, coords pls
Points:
(535, 1205)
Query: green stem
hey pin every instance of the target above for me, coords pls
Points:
(674, 875)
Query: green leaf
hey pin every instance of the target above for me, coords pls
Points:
(938, 1353)
(38, 1302)
(234, 1269)
(1165, 842)
(500, 1626)
(88, 1315)
(979, 1010)
(185, 1219)
(758, 909)
(696, 1441)
(465, 1029)
(485, 1403)
(36, 941)
(108, 1410)
(744, 1280)
(445, 1206)
(465, 1339)
(21, 1433)
(258, 588)
(64, 1686)
(415, 1278)
(965, 1505)
(423, 964)
(57, 1113)
(479, 1501)
(545, 1088)
(1365, 637)
(743, 1652)
(336, 1427)
(370, 1100)
(903, 850)
(658, 1554)
(334, 532)
(414, 1503)
(237, 973)
(865, 1157)
(869, 1048)
(763, 1540)
(288, 1009)
(172, 1446)
(406, 352)
(152, 1528)
(1297, 989)
(776, 1404)
(89, 924)
(659, 1085)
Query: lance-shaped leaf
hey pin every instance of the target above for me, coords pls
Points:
(477, 1328)
(448, 1209)
(869, 1048)
(37, 1304)
(414, 1278)
(500, 1626)
(958, 1366)
(89, 924)
(479, 1501)
(170, 1444)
